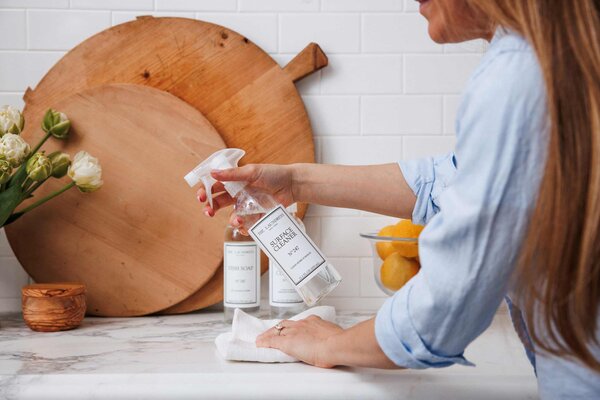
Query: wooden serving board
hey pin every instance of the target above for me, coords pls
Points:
(209, 294)
(140, 243)
(308, 61)
(251, 101)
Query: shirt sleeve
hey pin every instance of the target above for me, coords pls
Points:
(469, 247)
(427, 178)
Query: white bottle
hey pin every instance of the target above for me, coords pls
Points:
(284, 301)
(274, 230)
(241, 273)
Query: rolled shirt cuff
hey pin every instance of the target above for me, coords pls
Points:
(399, 340)
(427, 178)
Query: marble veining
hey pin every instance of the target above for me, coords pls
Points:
(175, 357)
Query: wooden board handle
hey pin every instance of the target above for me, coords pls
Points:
(309, 60)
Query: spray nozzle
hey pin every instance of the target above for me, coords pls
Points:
(222, 159)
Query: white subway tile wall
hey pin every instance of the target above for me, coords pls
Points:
(60, 30)
(335, 33)
(389, 93)
(13, 34)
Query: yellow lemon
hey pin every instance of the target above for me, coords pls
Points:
(397, 270)
(406, 229)
(384, 249)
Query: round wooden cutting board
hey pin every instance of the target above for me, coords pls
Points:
(140, 243)
(209, 294)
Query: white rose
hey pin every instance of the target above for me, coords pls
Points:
(86, 172)
(13, 149)
(11, 120)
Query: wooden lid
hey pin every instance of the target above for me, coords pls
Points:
(63, 289)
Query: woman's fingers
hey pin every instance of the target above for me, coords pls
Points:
(216, 188)
(246, 173)
(272, 341)
(220, 201)
(275, 340)
(288, 331)
(285, 325)
(235, 220)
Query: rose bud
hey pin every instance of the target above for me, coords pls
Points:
(60, 163)
(39, 167)
(56, 123)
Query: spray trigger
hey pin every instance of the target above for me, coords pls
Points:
(208, 181)
(227, 158)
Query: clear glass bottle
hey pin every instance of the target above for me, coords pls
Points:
(273, 229)
(284, 301)
(241, 269)
(316, 277)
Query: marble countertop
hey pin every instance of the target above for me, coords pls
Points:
(174, 357)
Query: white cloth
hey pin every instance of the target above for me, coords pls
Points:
(239, 344)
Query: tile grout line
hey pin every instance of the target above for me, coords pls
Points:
(403, 74)
(443, 115)
(360, 116)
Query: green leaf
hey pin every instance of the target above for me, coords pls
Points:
(19, 177)
(9, 200)
(13, 218)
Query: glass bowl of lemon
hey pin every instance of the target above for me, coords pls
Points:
(395, 250)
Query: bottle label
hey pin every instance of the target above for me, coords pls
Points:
(283, 240)
(281, 291)
(241, 265)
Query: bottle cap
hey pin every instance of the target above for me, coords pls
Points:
(222, 159)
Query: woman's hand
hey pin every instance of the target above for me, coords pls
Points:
(323, 344)
(305, 340)
(276, 180)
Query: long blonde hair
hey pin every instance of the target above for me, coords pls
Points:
(558, 275)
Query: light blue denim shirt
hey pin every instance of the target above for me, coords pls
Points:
(476, 203)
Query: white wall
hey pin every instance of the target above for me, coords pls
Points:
(389, 92)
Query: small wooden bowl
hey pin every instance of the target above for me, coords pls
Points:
(51, 307)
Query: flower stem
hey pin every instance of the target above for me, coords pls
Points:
(27, 184)
(49, 197)
(41, 143)
(34, 187)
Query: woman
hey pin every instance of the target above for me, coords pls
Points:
(519, 198)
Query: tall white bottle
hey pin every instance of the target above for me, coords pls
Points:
(241, 273)
(284, 301)
(274, 230)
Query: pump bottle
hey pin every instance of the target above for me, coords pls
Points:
(273, 229)
(241, 273)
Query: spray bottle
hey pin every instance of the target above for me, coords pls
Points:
(284, 301)
(273, 229)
